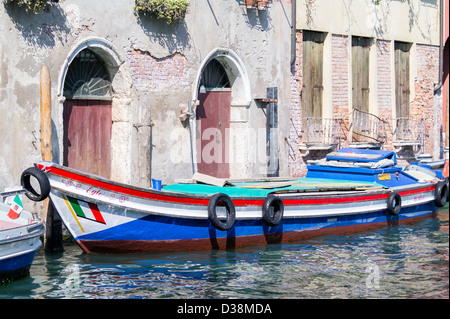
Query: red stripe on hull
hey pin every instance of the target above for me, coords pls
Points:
(331, 200)
(417, 191)
(125, 190)
(203, 200)
(146, 246)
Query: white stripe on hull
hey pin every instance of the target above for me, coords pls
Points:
(118, 209)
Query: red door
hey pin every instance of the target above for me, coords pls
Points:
(213, 123)
(87, 136)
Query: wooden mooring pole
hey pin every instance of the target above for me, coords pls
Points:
(53, 235)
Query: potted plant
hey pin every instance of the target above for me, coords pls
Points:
(170, 10)
(249, 3)
(262, 4)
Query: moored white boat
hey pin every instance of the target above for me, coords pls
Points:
(349, 191)
(19, 239)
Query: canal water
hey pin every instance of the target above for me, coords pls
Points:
(405, 261)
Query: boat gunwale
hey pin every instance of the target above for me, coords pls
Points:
(379, 192)
(93, 180)
(21, 253)
(122, 206)
(257, 200)
(155, 213)
(103, 180)
(33, 230)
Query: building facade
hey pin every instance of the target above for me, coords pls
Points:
(367, 75)
(236, 89)
(131, 95)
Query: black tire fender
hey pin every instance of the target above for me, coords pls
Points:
(441, 193)
(448, 187)
(272, 210)
(394, 203)
(221, 199)
(42, 179)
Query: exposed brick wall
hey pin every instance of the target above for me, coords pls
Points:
(295, 162)
(154, 73)
(384, 72)
(427, 77)
(386, 92)
(339, 77)
(340, 63)
(422, 106)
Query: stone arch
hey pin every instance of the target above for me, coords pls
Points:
(239, 84)
(236, 72)
(101, 47)
(120, 100)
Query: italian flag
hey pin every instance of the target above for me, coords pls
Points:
(16, 208)
(85, 210)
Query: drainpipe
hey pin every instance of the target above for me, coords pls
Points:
(192, 136)
(272, 132)
(438, 87)
(441, 47)
(293, 31)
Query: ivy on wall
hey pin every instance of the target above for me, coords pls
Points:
(170, 10)
(32, 5)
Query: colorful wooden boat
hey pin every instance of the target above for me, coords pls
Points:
(19, 239)
(348, 191)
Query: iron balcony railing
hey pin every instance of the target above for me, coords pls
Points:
(367, 128)
(411, 131)
(322, 131)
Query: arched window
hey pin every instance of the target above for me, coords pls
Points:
(87, 78)
(214, 76)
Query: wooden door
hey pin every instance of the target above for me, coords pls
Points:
(213, 123)
(360, 89)
(87, 136)
(360, 73)
(402, 79)
(312, 90)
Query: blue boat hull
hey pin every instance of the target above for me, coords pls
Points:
(16, 267)
(154, 233)
(19, 241)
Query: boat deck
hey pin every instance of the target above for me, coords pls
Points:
(8, 225)
(262, 189)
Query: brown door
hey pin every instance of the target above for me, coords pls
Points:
(312, 90)
(402, 79)
(87, 136)
(213, 123)
(360, 73)
(360, 89)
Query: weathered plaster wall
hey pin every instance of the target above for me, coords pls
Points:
(408, 21)
(155, 68)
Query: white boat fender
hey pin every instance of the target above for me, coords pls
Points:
(441, 193)
(220, 200)
(272, 210)
(394, 203)
(42, 179)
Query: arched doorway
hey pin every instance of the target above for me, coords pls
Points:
(222, 76)
(87, 114)
(213, 120)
